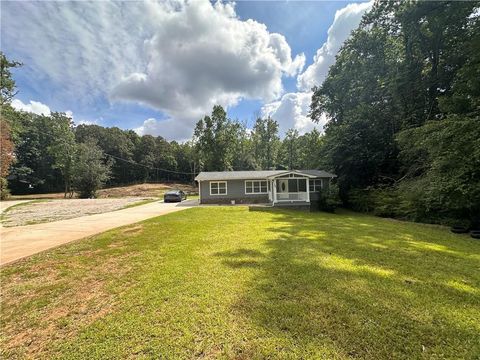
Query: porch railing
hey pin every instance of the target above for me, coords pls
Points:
(292, 196)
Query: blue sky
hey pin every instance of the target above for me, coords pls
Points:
(157, 67)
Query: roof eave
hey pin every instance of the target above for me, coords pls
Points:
(291, 172)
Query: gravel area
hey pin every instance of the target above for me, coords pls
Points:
(52, 210)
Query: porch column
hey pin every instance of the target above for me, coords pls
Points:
(274, 189)
(199, 192)
(308, 190)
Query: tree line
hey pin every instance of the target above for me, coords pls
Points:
(403, 98)
(49, 153)
(403, 133)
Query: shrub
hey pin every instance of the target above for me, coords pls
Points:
(329, 199)
(361, 200)
(91, 171)
(4, 192)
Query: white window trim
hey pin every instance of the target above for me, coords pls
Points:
(315, 186)
(256, 193)
(218, 182)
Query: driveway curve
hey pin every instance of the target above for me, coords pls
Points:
(22, 241)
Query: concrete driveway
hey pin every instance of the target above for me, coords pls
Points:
(22, 241)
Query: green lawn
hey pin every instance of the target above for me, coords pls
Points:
(226, 282)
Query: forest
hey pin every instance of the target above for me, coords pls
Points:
(403, 131)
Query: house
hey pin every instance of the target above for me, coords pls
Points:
(277, 187)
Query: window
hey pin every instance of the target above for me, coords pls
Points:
(218, 187)
(316, 185)
(297, 185)
(256, 187)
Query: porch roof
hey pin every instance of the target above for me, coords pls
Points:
(260, 174)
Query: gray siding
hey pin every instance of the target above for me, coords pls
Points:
(235, 191)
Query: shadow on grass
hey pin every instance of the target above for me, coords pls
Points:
(246, 258)
(364, 287)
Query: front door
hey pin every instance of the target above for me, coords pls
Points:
(283, 186)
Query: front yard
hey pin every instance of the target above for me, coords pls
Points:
(226, 282)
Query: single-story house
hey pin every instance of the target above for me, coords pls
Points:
(277, 187)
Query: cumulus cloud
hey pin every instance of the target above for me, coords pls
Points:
(291, 111)
(168, 129)
(181, 58)
(346, 19)
(39, 108)
(80, 49)
(202, 55)
(35, 107)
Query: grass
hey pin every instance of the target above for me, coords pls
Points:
(226, 282)
(5, 212)
(138, 203)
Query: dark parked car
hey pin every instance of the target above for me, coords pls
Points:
(174, 196)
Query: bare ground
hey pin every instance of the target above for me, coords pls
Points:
(53, 210)
(83, 299)
(139, 190)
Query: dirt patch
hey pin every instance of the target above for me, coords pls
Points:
(151, 190)
(139, 190)
(133, 230)
(54, 210)
(58, 308)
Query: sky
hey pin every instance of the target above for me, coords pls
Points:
(159, 67)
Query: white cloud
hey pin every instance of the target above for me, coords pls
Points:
(35, 107)
(168, 129)
(203, 55)
(181, 58)
(346, 20)
(77, 49)
(291, 111)
(39, 108)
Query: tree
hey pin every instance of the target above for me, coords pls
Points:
(244, 158)
(291, 149)
(7, 84)
(442, 164)
(215, 139)
(119, 144)
(91, 170)
(6, 157)
(311, 145)
(266, 142)
(34, 168)
(388, 77)
(7, 92)
(63, 149)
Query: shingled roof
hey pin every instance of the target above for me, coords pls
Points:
(257, 174)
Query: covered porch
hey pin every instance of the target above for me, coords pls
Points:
(290, 188)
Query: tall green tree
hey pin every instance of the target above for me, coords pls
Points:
(290, 150)
(215, 139)
(62, 148)
(92, 169)
(244, 158)
(34, 170)
(311, 144)
(266, 142)
(7, 83)
(390, 75)
(7, 92)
